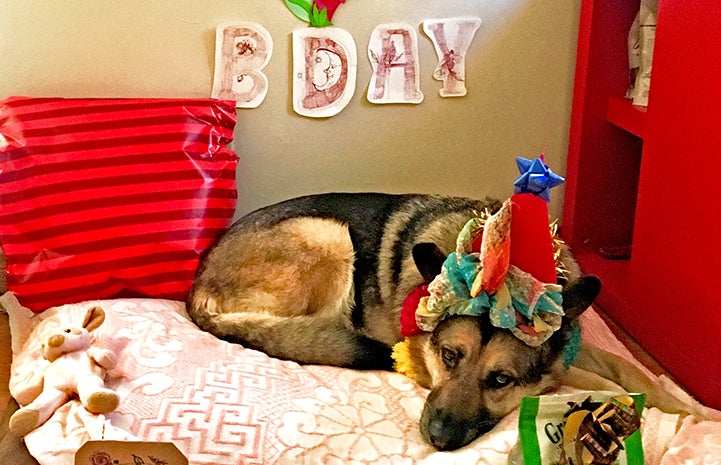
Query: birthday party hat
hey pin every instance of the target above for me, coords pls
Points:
(510, 273)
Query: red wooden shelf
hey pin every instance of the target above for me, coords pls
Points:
(651, 184)
(627, 116)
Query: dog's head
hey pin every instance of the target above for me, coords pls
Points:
(478, 373)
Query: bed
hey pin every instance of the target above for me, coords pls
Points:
(219, 403)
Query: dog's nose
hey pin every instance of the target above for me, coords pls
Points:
(446, 434)
(436, 434)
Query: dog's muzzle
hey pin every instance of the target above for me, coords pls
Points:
(447, 432)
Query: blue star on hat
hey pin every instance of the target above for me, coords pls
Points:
(536, 178)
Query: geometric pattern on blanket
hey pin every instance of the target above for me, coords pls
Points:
(223, 404)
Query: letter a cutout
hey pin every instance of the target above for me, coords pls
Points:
(325, 64)
(393, 53)
(241, 51)
(451, 37)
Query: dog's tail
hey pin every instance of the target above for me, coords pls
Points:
(310, 339)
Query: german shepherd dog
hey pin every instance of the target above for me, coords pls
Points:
(321, 280)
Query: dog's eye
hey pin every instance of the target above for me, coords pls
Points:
(450, 357)
(498, 380)
(68, 331)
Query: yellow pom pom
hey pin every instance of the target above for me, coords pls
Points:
(402, 357)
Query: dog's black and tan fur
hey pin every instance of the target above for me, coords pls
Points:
(321, 279)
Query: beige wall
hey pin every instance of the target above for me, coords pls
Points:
(519, 74)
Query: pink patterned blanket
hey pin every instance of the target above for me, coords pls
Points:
(222, 404)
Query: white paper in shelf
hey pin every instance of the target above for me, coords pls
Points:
(646, 37)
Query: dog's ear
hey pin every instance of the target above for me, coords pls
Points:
(579, 295)
(429, 260)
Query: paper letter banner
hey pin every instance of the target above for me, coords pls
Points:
(241, 51)
(393, 53)
(451, 38)
(325, 63)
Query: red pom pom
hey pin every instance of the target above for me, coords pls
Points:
(409, 327)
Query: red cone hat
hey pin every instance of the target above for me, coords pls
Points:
(531, 242)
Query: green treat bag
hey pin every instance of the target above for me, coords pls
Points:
(584, 428)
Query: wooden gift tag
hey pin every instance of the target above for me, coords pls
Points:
(129, 453)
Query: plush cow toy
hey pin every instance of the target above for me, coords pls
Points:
(76, 369)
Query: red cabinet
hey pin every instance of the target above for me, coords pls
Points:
(650, 179)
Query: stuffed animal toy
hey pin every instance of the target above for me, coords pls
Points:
(76, 368)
